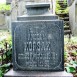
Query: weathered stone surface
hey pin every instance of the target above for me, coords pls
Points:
(37, 17)
(73, 18)
(38, 45)
(37, 8)
(12, 73)
(8, 1)
(38, 40)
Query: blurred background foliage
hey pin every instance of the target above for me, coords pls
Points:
(4, 7)
(6, 46)
(70, 55)
(59, 7)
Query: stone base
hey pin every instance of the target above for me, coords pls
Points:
(12, 73)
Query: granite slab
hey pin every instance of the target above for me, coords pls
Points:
(38, 45)
(13, 73)
(37, 17)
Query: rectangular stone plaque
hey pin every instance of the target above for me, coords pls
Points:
(38, 45)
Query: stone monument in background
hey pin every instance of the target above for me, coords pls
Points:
(73, 17)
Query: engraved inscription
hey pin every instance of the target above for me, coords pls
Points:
(32, 46)
(37, 49)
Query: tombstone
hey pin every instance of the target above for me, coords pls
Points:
(3, 22)
(8, 1)
(73, 18)
(69, 2)
(38, 44)
(2, 19)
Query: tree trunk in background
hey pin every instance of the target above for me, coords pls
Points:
(17, 8)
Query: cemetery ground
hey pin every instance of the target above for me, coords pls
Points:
(70, 53)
